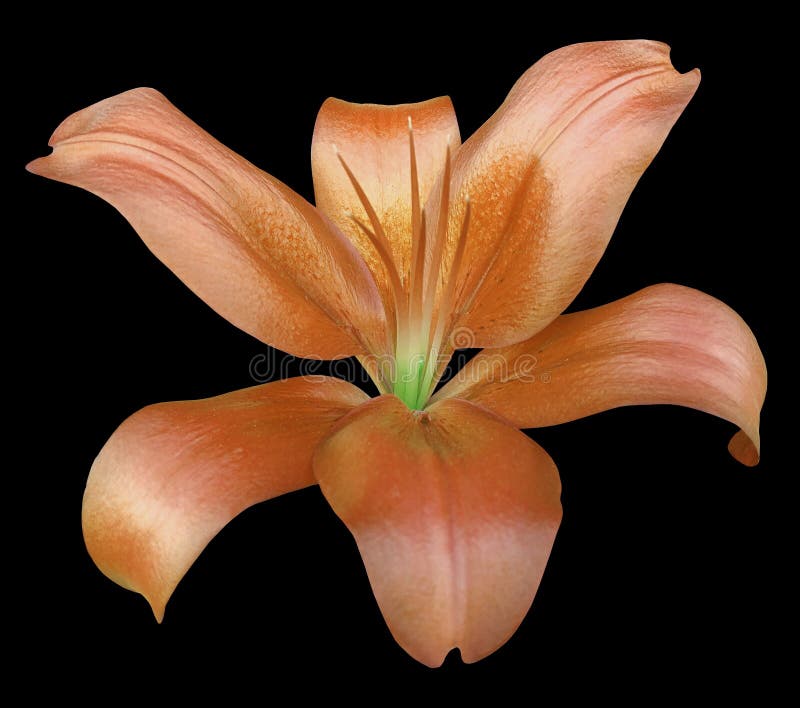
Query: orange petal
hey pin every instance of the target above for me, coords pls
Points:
(454, 513)
(664, 344)
(548, 176)
(374, 142)
(250, 247)
(174, 474)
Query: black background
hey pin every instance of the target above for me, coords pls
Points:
(666, 574)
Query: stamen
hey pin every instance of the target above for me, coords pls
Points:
(435, 360)
(439, 240)
(386, 259)
(379, 233)
(418, 280)
(417, 264)
(452, 276)
(418, 362)
(377, 237)
(376, 373)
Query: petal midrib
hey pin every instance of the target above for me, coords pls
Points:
(600, 92)
(454, 549)
(583, 101)
(154, 147)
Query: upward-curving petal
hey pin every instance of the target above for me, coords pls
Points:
(454, 513)
(250, 247)
(664, 344)
(548, 176)
(174, 474)
(374, 142)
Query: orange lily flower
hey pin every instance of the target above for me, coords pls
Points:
(416, 241)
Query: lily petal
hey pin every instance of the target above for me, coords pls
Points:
(664, 344)
(173, 474)
(548, 176)
(250, 247)
(374, 142)
(454, 513)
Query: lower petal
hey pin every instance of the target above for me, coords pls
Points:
(173, 474)
(454, 513)
(663, 344)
